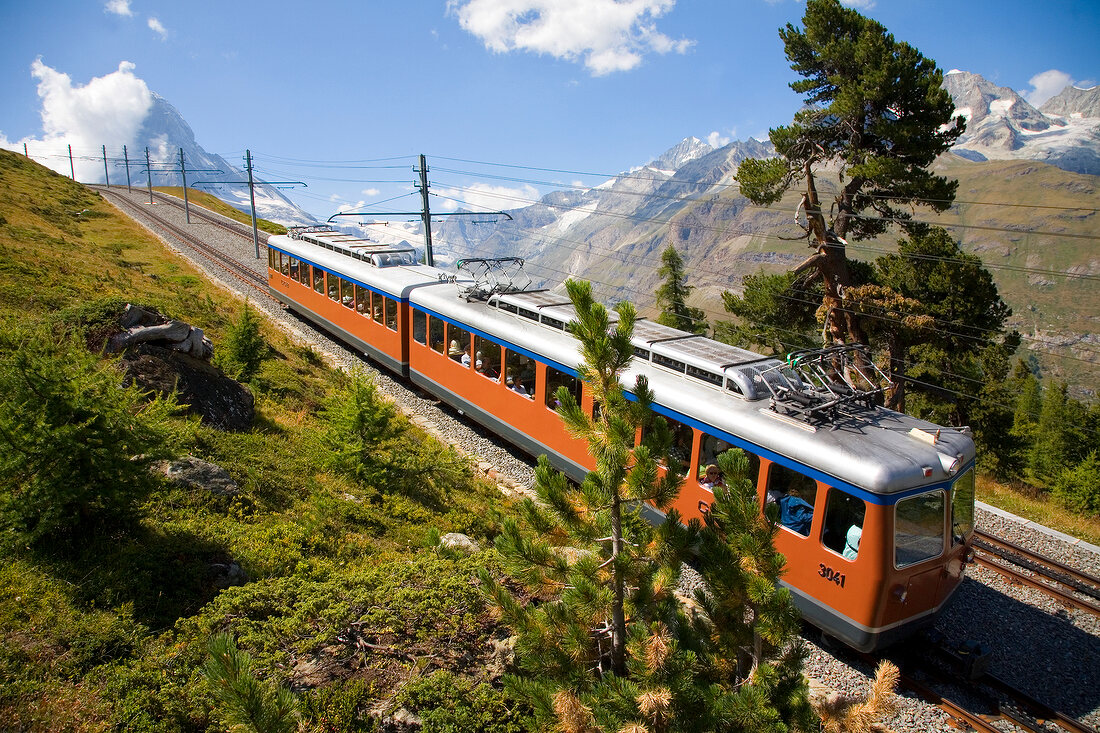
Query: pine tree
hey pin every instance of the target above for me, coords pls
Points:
(75, 445)
(1049, 451)
(248, 704)
(772, 311)
(608, 647)
(673, 294)
(878, 116)
(244, 348)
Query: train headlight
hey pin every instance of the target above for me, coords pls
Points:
(950, 464)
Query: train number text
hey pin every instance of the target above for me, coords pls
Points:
(830, 574)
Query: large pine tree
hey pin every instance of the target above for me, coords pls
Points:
(673, 294)
(876, 117)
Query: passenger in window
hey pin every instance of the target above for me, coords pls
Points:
(795, 513)
(516, 386)
(454, 350)
(711, 478)
(465, 359)
(851, 542)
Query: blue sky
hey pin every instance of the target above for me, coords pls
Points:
(593, 86)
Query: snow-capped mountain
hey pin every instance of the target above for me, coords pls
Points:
(1001, 125)
(165, 131)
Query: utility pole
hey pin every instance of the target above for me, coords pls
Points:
(106, 176)
(252, 200)
(25, 155)
(183, 172)
(149, 174)
(127, 159)
(426, 216)
(72, 171)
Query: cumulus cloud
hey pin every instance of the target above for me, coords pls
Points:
(118, 7)
(858, 4)
(482, 196)
(1045, 85)
(370, 192)
(718, 140)
(608, 35)
(157, 27)
(108, 110)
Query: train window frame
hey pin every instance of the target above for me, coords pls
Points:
(377, 303)
(390, 306)
(839, 542)
(304, 275)
(437, 335)
(332, 287)
(641, 353)
(705, 376)
(487, 352)
(420, 326)
(362, 301)
(318, 280)
(942, 512)
(710, 447)
(520, 373)
(271, 259)
(556, 378)
(668, 363)
(458, 344)
(967, 482)
(347, 293)
(801, 484)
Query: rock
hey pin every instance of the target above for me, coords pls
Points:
(227, 575)
(457, 541)
(402, 721)
(219, 401)
(195, 473)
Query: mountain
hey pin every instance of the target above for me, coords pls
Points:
(165, 131)
(1001, 125)
(1074, 102)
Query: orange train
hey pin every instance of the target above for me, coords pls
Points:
(876, 508)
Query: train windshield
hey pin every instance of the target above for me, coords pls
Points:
(962, 507)
(919, 528)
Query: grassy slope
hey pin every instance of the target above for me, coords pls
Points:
(112, 636)
(215, 204)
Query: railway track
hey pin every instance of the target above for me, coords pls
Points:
(1021, 565)
(230, 264)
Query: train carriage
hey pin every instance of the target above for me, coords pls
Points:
(876, 507)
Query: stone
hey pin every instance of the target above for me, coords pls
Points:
(195, 473)
(457, 541)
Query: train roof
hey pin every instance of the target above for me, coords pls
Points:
(718, 388)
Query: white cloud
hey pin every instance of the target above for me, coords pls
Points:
(608, 35)
(1045, 85)
(482, 197)
(370, 192)
(157, 27)
(108, 110)
(858, 4)
(118, 7)
(718, 140)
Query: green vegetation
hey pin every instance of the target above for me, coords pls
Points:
(114, 580)
(244, 348)
(673, 294)
(215, 204)
(609, 646)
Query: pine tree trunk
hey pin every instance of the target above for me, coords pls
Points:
(618, 613)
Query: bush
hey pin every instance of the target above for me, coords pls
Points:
(75, 446)
(447, 703)
(1078, 488)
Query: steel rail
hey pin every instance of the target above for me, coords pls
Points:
(1080, 580)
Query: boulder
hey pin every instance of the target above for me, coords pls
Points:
(457, 541)
(195, 473)
(218, 400)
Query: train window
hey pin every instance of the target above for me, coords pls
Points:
(519, 373)
(710, 448)
(962, 507)
(420, 326)
(487, 358)
(795, 494)
(391, 314)
(918, 528)
(318, 279)
(293, 263)
(674, 364)
(555, 379)
(458, 345)
(271, 259)
(284, 264)
(641, 353)
(376, 307)
(333, 287)
(347, 293)
(303, 273)
(704, 375)
(528, 313)
(843, 526)
(362, 301)
(436, 336)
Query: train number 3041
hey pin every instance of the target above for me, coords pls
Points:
(830, 574)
